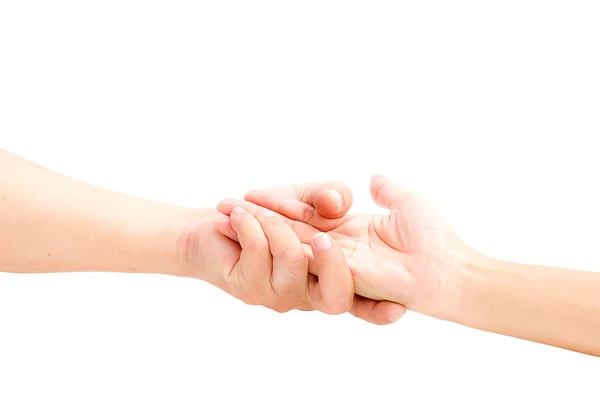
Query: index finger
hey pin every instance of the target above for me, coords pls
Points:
(318, 204)
(304, 231)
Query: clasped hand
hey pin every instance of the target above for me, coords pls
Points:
(294, 247)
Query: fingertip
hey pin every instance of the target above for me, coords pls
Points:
(385, 192)
(338, 308)
(322, 241)
(377, 181)
(223, 226)
(248, 231)
(225, 206)
(253, 195)
(237, 210)
(386, 313)
(333, 200)
(222, 223)
(327, 252)
(377, 312)
(240, 218)
(395, 312)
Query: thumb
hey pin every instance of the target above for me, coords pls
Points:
(334, 290)
(332, 200)
(385, 192)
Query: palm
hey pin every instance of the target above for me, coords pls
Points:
(400, 257)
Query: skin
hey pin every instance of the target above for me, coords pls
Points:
(369, 265)
(51, 223)
(413, 257)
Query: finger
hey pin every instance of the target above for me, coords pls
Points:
(223, 225)
(316, 203)
(304, 231)
(332, 200)
(333, 293)
(290, 265)
(254, 268)
(227, 205)
(377, 312)
(385, 192)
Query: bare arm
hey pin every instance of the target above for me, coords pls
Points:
(558, 307)
(51, 223)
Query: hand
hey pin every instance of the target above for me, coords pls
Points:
(270, 267)
(273, 268)
(406, 256)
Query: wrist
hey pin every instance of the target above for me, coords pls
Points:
(481, 288)
(182, 225)
(465, 275)
(157, 233)
(199, 250)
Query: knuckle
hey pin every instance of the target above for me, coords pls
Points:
(251, 298)
(303, 194)
(290, 286)
(279, 308)
(280, 203)
(243, 219)
(337, 307)
(291, 223)
(270, 220)
(257, 246)
(293, 257)
(253, 209)
(308, 213)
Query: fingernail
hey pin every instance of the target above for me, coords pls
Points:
(322, 241)
(337, 197)
(237, 210)
(395, 316)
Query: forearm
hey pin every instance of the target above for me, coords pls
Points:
(50, 223)
(554, 306)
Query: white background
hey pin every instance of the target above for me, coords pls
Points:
(490, 108)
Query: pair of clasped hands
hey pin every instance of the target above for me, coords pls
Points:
(294, 247)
